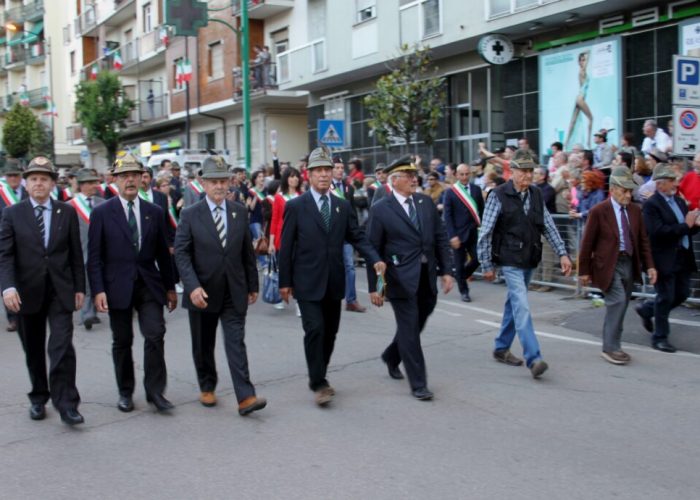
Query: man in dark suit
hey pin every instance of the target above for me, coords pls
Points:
(670, 227)
(43, 278)
(127, 238)
(214, 253)
(83, 202)
(175, 181)
(613, 250)
(315, 227)
(11, 193)
(406, 230)
(147, 193)
(463, 209)
(345, 191)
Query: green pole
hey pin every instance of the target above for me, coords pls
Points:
(245, 62)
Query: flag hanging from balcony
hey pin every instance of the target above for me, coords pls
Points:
(164, 38)
(187, 70)
(93, 72)
(24, 98)
(117, 62)
(50, 107)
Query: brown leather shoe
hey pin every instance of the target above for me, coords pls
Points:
(12, 326)
(324, 396)
(616, 357)
(538, 368)
(207, 398)
(355, 307)
(507, 357)
(251, 404)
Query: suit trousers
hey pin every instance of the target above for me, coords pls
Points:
(203, 326)
(671, 291)
(411, 315)
(617, 298)
(320, 320)
(60, 384)
(465, 269)
(88, 311)
(152, 326)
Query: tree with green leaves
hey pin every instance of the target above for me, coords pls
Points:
(407, 102)
(103, 108)
(20, 132)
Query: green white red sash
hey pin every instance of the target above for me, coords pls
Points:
(68, 193)
(114, 189)
(258, 194)
(466, 198)
(81, 207)
(196, 187)
(54, 193)
(8, 194)
(145, 196)
(338, 192)
(376, 185)
(270, 199)
(288, 197)
(172, 217)
(102, 187)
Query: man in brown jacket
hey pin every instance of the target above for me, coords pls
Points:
(613, 250)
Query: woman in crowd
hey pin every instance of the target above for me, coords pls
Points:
(254, 202)
(592, 193)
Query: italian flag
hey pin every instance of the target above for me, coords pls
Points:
(24, 98)
(93, 72)
(164, 38)
(117, 62)
(184, 71)
(50, 107)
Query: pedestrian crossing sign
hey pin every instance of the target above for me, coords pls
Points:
(331, 133)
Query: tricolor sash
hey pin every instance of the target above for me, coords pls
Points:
(54, 193)
(144, 196)
(8, 194)
(466, 198)
(114, 189)
(81, 207)
(102, 187)
(270, 199)
(257, 194)
(387, 188)
(196, 187)
(172, 217)
(338, 192)
(68, 193)
(375, 185)
(288, 197)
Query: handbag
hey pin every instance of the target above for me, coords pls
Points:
(271, 282)
(262, 244)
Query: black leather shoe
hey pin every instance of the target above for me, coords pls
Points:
(393, 370)
(647, 323)
(72, 417)
(37, 411)
(160, 402)
(125, 404)
(423, 394)
(663, 346)
(87, 324)
(466, 297)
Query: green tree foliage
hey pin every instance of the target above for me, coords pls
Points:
(20, 131)
(103, 108)
(42, 144)
(407, 102)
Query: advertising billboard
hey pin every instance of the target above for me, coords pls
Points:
(580, 93)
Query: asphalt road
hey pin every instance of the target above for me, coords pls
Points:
(586, 430)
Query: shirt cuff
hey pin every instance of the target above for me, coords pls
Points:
(9, 290)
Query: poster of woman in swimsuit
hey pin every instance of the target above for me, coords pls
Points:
(580, 91)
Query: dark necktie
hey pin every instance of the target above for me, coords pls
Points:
(89, 201)
(412, 213)
(39, 213)
(326, 211)
(626, 231)
(133, 226)
(220, 227)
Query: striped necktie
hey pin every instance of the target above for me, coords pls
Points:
(412, 213)
(133, 226)
(39, 213)
(326, 211)
(220, 227)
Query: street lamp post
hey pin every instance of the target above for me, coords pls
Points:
(15, 29)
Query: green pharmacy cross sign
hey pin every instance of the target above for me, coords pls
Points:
(186, 16)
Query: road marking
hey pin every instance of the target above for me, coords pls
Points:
(684, 322)
(593, 342)
(471, 308)
(454, 315)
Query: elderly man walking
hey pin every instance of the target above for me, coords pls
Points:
(613, 250)
(515, 218)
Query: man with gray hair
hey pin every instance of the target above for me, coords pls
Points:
(655, 138)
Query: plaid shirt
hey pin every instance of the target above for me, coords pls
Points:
(492, 211)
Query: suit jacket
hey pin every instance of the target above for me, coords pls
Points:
(190, 196)
(202, 261)
(25, 263)
(311, 258)
(459, 221)
(161, 200)
(401, 245)
(600, 245)
(113, 266)
(666, 234)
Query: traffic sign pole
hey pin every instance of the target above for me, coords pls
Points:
(245, 62)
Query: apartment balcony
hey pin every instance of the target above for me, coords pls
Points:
(15, 15)
(37, 97)
(151, 107)
(36, 54)
(262, 9)
(298, 66)
(263, 77)
(34, 11)
(148, 51)
(104, 63)
(118, 13)
(15, 58)
(6, 103)
(86, 23)
(76, 134)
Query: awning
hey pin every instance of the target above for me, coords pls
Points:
(15, 41)
(2, 41)
(33, 34)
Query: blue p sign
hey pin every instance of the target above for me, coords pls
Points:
(688, 72)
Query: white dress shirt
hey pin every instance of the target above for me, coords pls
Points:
(661, 141)
(137, 214)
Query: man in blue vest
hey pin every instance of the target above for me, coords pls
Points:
(515, 218)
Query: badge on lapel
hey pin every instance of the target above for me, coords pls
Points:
(337, 210)
(233, 214)
(58, 211)
(148, 217)
(420, 201)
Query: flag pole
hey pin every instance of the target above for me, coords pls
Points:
(187, 98)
